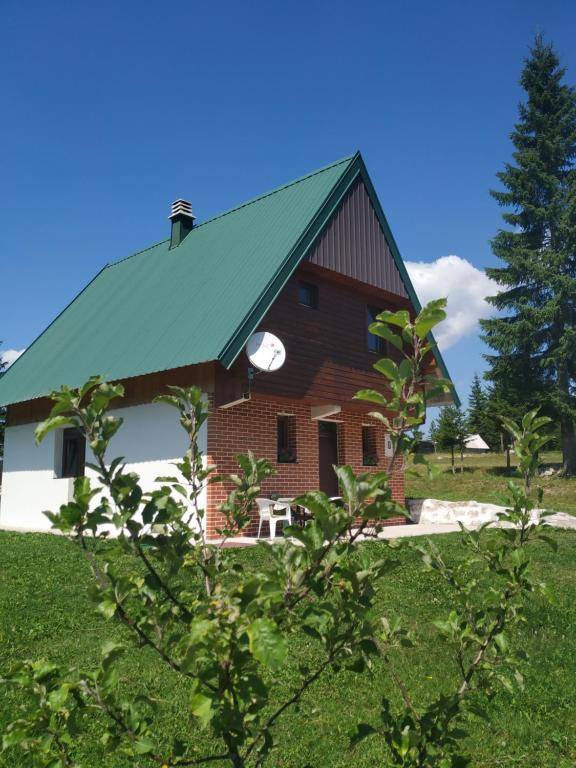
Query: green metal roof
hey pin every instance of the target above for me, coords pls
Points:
(161, 309)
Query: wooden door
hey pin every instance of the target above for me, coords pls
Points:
(328, 456)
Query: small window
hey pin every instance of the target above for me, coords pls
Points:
(73, 453)
(308, 295)
(369, 447)
(286, 439)
(375, 343)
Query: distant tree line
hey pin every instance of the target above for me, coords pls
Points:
(484, 416)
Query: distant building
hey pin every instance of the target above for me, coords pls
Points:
(476, 444)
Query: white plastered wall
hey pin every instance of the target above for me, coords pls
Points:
(149, 440)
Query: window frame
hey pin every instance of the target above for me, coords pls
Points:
(72, 466)
(370, 458)
(304, 285)
(286, 445)
(376, 344)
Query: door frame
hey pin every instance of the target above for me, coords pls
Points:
(337, 426)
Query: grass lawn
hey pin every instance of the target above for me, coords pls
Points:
(484, 479)
(45, 612)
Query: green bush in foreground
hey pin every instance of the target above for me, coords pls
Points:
(225, 629)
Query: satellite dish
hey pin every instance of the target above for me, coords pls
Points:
(265, 351)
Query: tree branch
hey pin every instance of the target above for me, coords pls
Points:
(163, 585)
(294, 698)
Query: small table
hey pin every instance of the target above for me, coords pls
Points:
(300, 515)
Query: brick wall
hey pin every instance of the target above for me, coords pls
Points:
(252, 426)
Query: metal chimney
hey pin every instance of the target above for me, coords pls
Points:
(182, 220)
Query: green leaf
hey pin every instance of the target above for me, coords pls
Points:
(144, 745)
(382, 330)
(267, 644)
(201, 707)
(107, 608)
(58, 696)
(372, 396)
(387, 368)
(44, 669)
(111, 650)
(102, 396)
(430, 315)
(501, 642)
(405, 369)
(445, 627)
(347, 481)
(400, 318)
(49, 424)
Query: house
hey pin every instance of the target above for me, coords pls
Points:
(312, 262)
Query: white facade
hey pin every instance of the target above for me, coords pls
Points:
(150, 438)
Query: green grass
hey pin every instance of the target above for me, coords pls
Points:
(45, 612)
(484, 479)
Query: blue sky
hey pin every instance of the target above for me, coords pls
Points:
(110, 111)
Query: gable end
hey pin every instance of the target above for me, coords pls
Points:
(353, 244)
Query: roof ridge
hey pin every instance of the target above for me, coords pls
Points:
(137, 253)
(278, 189)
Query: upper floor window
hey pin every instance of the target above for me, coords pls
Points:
(375, 343)
(308, 295)
(73, 453)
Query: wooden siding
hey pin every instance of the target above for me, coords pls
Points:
(137, 390)
(353, 244)
(327, 355)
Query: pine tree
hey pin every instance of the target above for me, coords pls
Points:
(477, 405)
(535, 336)
(483, 416)
(486, 406)
(449, 432)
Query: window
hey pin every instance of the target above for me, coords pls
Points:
(286, 439)
(375, 343)
(308, 295)
(369, 448)
(73, 453)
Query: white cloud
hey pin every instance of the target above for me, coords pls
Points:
(9, 355)
(465, 287)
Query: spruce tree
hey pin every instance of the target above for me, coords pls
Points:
(477, 405)
(449, 432)
(486, 406)
(534, 337)
(484, 415)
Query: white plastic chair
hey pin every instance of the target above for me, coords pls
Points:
(268, 509)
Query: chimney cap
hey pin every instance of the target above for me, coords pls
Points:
(181, 208)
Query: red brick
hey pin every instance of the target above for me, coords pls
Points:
(252, 426)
